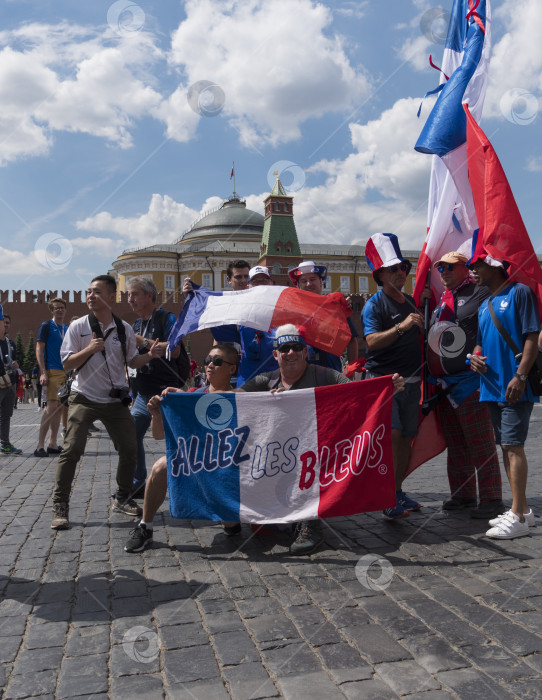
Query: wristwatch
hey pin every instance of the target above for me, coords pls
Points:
(521, 377)
(145, 343)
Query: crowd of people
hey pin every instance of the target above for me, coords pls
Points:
(99, 368)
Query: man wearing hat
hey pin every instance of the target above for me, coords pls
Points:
(511, 308)
(466, 424)
(311, 277)
(392, 325)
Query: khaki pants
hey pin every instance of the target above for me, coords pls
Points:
(121, 428)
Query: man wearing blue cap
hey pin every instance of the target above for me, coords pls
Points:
(392, 325)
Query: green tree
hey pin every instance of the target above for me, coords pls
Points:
(30, 355)
(19, 349)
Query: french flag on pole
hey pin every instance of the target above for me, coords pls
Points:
(280, 458)
(323, 317)
(451, 213)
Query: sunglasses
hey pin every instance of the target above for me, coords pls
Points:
(446, 266)
(216, 360)
(404, 267)
(285, 349)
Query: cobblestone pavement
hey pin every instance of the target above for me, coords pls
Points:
(447, 613)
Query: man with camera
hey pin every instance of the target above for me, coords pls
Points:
(153, 378)
(99, 347)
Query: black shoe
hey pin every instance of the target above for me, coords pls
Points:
(140, 539)
(456, 503)
(309, 538)
(231, 530)
(40, 452)
(127, 506)
(488, 510)
(54, 450)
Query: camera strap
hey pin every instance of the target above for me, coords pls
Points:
(121, 332)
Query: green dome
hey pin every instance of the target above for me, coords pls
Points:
(231, 220)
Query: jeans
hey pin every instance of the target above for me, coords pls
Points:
(142, 419)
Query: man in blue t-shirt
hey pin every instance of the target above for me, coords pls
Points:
(503, 380)
(52, 376)
(151, 379)
(392, 326)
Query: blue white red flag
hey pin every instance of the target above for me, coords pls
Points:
(280, 458)
(451, 214)
(323, 317)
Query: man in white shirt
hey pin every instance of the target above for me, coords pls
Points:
(100, 347)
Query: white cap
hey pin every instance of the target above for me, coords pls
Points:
(258, 270)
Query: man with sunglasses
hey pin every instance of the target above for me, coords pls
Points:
(220, 366)
(392, 326)
(465, 422)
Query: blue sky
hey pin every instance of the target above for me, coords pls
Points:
(120, 120)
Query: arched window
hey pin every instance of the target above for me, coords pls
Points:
(278, 247)
(276, 269)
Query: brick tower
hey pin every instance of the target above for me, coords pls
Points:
(279, 250)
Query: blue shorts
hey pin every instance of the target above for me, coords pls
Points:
(510, 421)
(405, 407)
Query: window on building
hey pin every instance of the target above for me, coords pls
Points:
(363, 283)
(277, 206)
(169, 282)
(327, 286)
(345, 283)
(207, 280)
(286, 209)
(225, 283)
(276, 269)
(278, 247)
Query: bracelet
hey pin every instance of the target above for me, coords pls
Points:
(399, 330)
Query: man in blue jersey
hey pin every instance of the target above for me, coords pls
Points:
(392, 326)
(503, 365)
(311, 277)
(52, 376)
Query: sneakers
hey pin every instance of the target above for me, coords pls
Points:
(60, 517)
(9, 449)
(127, 506)
(140, 539)
(487, 510)
(40, 452)
(529, 518)
(508, 527)
(395, 513)
(308, 537)
(408, 503)
(456, 503)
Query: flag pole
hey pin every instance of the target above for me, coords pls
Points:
(426, 407)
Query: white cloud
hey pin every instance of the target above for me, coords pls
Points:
(274, 80)
(381, 186)
(516, 60)
(163, 222)
(70, 79)
(16, 262)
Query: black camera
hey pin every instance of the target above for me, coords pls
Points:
(122, 393)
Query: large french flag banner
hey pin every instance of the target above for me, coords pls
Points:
(282, 457)
(323, 317)
(451, 219)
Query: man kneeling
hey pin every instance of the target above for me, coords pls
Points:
(220, 366)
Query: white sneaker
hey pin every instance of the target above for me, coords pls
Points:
(529, 518)
(508, 527)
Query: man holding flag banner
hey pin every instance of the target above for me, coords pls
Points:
(282, 458)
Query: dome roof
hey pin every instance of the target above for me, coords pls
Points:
(232, 219)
